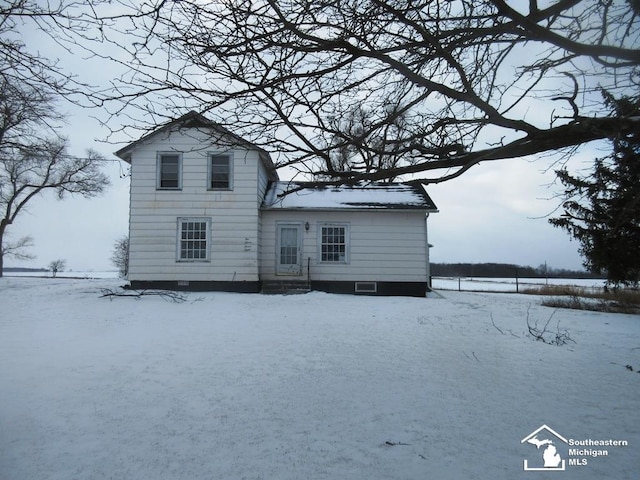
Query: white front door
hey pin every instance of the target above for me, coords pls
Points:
(288, 249)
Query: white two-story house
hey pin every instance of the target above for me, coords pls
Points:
(208, 212)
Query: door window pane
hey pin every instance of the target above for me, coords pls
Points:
(288, 246)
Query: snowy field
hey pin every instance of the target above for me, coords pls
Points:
(316, 386)
(482, 284)
(84, 274)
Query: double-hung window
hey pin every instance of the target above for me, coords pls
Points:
(194, 237)
(334, 243)
(169, 171)
(220, 172)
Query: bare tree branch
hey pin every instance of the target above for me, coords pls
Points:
(431, 83)
(438, 81)
(18, 248)
(30, 165)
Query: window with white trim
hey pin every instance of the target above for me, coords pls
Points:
(334, 243)
(220, 172)
(169, 171)
(193, 239)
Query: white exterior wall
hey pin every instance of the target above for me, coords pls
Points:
(385, 246)
(263, 184)
(153, 213)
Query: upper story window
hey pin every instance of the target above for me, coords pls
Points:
(334, 243)
(169, 171)
(220, 172)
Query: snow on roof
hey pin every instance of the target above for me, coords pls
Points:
(376, 196)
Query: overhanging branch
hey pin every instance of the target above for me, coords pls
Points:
(576, 133)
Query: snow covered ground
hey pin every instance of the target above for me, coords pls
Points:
(489, 284)
(79, 274)
(316, 386)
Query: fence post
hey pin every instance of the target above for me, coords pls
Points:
(517, 285)
(459, 289)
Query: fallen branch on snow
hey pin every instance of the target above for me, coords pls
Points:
(547, 336)
(500, 330)
(167, 295)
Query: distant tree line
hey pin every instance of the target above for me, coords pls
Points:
(505, 270)
(24, 269)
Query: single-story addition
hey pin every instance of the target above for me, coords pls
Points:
(209, 212)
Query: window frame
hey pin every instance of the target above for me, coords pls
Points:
(230, 162)
(179, 239)
(159, 157)
(347, 242)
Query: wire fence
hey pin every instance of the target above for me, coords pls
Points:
(510, 285)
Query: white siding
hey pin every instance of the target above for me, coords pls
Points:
(153, 213)
(385, 246)
(263, 184)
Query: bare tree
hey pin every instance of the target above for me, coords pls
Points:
(444, 85)
(471, 80)
(17, 249)
(30, 165)
(57, 266)
(120, 255)
(66, 23)
(370, 149)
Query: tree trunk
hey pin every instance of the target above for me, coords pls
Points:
(3, 226)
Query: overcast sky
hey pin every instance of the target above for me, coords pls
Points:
(495, 212)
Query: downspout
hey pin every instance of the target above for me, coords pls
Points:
(426, 246)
